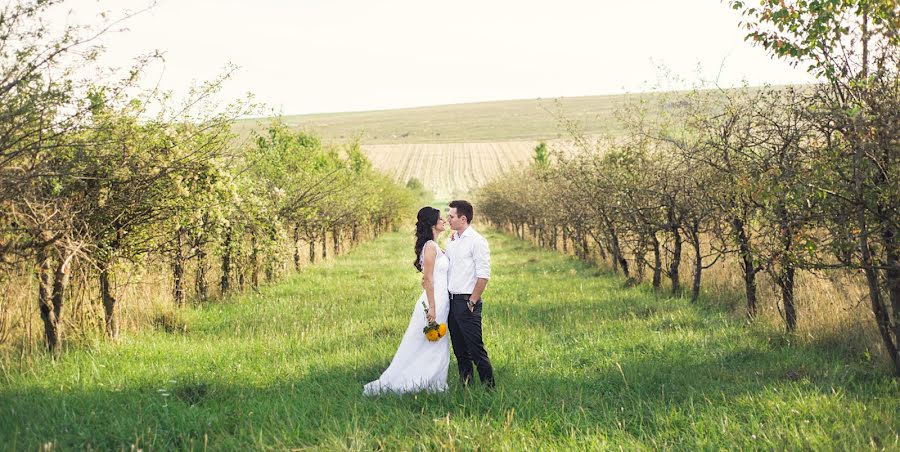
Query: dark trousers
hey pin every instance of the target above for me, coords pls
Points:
(465, 334)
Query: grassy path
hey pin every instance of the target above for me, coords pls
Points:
(580, 363)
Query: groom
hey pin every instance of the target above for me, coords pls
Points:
(470, 269)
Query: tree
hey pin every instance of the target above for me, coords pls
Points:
(541, 155)
(854, 47)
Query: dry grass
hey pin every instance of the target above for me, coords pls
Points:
(145, 300)
(832, 306)
(144, 293)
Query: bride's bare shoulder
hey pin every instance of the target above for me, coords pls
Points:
(430, 247)
(436, 246)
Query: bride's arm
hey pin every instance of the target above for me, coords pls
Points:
(428, 281)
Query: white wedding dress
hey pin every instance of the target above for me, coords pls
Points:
(419, 364)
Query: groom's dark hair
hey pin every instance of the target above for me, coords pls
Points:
(463, 209)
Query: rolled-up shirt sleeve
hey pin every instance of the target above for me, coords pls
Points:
(482, 257)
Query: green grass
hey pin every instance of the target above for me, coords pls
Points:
(580, 363)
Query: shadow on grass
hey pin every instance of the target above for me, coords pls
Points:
(652, 400)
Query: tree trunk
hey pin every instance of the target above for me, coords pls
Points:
(657, 262)
(619, 256)
(240, 270)
(554, 234)
(614, 259)
(52, 303)
(254, 262)
(45, 295)
(202, 284)
(225, 282)
(675, 265)
(60, 283)
(600, 249)
(748, 267)
(879, 309)
(892, 278)
(576, 238)
(324, 244)
(786, 282)
(312, 250)
(109, 302)
(297, 248)
(785, 276)
(336, 240)
(694, 234)
(270, 260)
(640, 260)
(178, 268)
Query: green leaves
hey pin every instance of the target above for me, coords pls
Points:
(541, 154)
(840, 39)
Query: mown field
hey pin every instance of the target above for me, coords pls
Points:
(449, 170)
(580, 361)
(455, 170)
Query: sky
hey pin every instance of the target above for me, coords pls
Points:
(316, 56)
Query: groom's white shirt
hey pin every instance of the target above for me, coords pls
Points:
(470, 259)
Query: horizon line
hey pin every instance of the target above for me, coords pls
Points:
(489, 101)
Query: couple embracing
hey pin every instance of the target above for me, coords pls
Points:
(454, 281)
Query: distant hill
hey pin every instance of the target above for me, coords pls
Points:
(510, 120)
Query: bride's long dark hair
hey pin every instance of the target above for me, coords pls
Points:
(426, 219)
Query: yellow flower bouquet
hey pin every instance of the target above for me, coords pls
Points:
(433, 330)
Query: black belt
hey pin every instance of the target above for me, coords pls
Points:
(460, 296)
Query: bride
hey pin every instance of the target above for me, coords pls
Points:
(420, 364)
